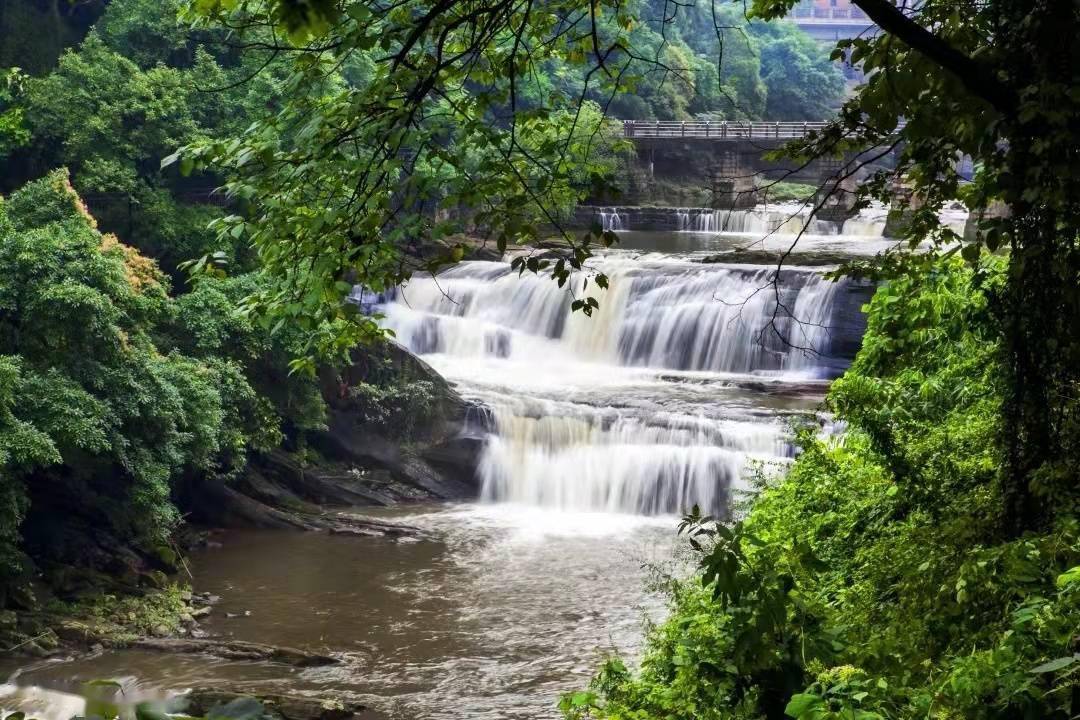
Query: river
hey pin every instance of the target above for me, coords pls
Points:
(600, 432)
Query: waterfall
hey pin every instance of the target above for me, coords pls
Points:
(577, 458)
(664, 315)
(610, 220)
(618, 412)
(682, 219)
(783, 219)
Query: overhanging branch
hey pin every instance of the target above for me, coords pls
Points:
(979, 80)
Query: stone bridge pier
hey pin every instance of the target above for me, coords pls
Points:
(732, 181)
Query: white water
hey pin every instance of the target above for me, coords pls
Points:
(782, 219)
(636, 409)
(779, 219)
(610, 220)
(598, 429)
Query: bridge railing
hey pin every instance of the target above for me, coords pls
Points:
(719, 130)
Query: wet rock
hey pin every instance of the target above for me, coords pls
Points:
(355, 463)
(357, 531)
(235, 650)
(283, 707)
(34, 650)
(199, 613)
(349, 524)
(80, 632)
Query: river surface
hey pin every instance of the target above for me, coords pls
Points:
(600, 432)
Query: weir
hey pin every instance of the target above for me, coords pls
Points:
(781, 218)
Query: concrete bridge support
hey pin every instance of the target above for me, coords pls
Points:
(731, 182)
(835, 196)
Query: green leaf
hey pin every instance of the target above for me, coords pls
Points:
(801, 703)
(1069, 577)
(1055, 665)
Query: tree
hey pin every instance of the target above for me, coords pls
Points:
(991, 80)
(139, 85)
(101, 414)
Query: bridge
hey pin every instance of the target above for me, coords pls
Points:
(828, 23)
(731, 159)
(732, 130)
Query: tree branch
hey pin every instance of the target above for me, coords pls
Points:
(978, 79)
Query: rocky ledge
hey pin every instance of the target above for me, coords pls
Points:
(354, 462)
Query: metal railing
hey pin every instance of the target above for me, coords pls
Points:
(842, 15)
(719, 130)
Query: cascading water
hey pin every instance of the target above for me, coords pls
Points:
(619, 412)
(783, 219)
(772, 219)
(610, 220)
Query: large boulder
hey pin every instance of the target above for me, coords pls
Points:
(440, 452)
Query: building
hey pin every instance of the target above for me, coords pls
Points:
(830, 20)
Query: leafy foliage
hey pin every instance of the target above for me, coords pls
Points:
(139, 85)
(113, 391)
(993, 81)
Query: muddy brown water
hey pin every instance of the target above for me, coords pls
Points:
(502, 612)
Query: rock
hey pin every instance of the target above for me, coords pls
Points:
(235, 650)
(283, 707)
(357, 531)
(34, 650)
(187, 618)
(360, 525)
(438, 460)
(160, 631)
(186, 596)
(75, 631)
(199, 613)
(21, 597)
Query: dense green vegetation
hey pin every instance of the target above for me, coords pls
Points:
(115, 392)
(773, 71)
(124, 388)
(876, 577)
(138, 86)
